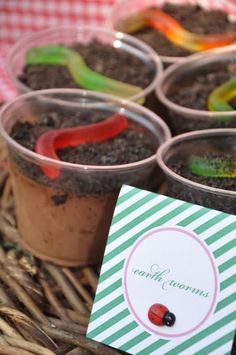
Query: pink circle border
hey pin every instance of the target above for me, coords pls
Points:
(215, 273)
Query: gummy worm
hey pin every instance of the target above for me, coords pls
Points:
(217, 167)
(80, 72)
(212, 167)
(221, 95)
(54, 139)
(172, 30)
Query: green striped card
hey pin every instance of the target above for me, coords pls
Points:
(167, 283)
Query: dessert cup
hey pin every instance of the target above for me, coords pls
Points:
(66, 219)
(123, 7)
(181, 148)
(72, 35)
(181, 77)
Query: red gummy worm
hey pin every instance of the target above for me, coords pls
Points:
(54, 139)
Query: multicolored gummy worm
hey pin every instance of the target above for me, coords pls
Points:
(173, 30)
(212, 167)
(219, 98)
(79, 71)
(55, 139)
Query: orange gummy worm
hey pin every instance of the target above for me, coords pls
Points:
(173, 30)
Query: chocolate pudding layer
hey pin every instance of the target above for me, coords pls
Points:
(83, 221)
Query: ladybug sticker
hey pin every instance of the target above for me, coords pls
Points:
(159, 315)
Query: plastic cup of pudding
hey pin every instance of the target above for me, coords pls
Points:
(191, 81)
(173, 158)
(66, 219)
(70, 36)
(122, 8)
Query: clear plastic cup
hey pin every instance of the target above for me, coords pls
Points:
(66, 220)
(123, 7)
(182, 119)
(70, 35)
(217, 141)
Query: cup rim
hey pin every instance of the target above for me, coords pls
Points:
(72, 166)
(189, 136)
(194, 58)
(117, 36)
